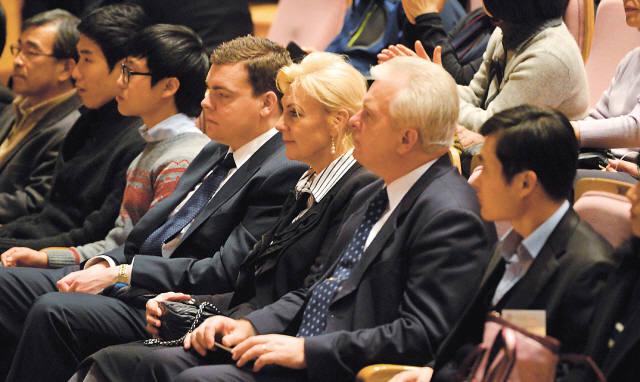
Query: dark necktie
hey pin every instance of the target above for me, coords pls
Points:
(188, 212)
(314, 319)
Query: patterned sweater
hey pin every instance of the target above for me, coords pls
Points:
(151, 177)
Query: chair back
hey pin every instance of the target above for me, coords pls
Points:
(308, 23)
(579, 19)
(600, 184)
(612, 40)
(607, 213)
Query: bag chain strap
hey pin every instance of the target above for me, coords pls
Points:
(179, 341)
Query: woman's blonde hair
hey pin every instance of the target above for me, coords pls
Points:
(330, 80)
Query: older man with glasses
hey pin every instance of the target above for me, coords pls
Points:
(33, 127)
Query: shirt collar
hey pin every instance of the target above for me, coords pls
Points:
(323, 182)
(22, 106)
(397, 189)
(169, 128)
(242, 155)
(534, 242)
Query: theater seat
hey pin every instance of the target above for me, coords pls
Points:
(607, 213)
(308, 23)
(579, 19)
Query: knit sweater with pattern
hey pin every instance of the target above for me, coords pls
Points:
(151, 177)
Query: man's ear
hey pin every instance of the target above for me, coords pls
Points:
(528, 182)
(408, 140)
(171, 86)
(269, 103)
(66, 68)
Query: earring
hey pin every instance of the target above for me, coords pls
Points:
(333, 146)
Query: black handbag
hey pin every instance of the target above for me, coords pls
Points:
(179, 319)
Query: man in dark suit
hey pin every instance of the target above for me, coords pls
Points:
(33, 127)
(229, 196)
(404, 264)
(614, 335)
(551, 260)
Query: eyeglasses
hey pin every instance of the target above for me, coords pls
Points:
(15, 50)
(127, 73)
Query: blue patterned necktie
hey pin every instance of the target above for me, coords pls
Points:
(314, 319)
(191, 209)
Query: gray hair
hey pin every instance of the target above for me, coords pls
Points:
(67, 34)
(428, 101)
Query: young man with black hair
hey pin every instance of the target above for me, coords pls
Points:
(34, 126)
(551, 261)
(162, 82)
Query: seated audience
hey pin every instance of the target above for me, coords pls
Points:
(550, 260)
(90, 173)
(33, 127)
(403, 267)
(320, 95)
(461, 50)
(162, 82)
(195, 239)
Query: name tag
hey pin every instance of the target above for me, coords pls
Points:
(533, 321)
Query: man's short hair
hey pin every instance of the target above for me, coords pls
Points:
(112, 27)
(428, 101)
(525, 11)
(67, 33)
(175, 51)
(262, 59)
(536, 139)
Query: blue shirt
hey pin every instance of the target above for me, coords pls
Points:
(519, 253)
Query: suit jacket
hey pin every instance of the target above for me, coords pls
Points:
(27, 170)
(564, 280)
(408, 289)
(88, 183)
(284, 257)
(620, 363)
(211, 251)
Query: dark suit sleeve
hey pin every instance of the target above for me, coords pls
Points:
(218, 272)
(32, 179)
(429, 30)
(579, 303)
(443, 265)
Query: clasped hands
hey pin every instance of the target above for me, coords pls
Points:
(264, 350)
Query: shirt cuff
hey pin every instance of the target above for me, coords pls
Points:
(97, 259)
(61, 257)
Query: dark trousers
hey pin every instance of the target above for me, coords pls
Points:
(48, 333)
(179, 365)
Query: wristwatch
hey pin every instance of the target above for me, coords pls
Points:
(122, 275)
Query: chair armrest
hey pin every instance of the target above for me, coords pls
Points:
(381, 373)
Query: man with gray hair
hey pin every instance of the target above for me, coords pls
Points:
(404, 265)
(33, 127)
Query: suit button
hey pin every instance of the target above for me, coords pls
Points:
(339, 288)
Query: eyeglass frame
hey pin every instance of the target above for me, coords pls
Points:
(126, 74)
(27, 53)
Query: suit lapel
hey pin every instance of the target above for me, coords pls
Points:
(544, 266)
(53, 116)
(236, 182)
(440, 167)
